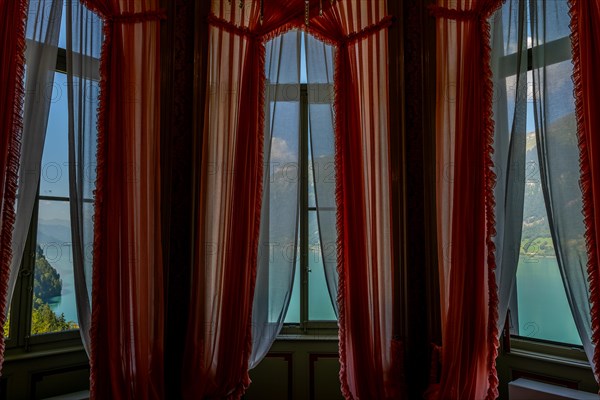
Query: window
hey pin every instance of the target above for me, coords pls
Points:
(542, 310)
(310, 309)
(43, 307)
(310, 297)
(539, 309)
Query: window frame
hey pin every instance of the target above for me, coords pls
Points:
(556, 51)
(20, 339)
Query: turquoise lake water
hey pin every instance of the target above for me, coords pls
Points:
(65, 303)
(544, 312)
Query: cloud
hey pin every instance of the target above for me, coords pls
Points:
(280, 151)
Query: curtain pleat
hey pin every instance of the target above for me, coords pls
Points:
(280, 205)
(43, 28)
(219, 334)
(83, 40)
(465, 200)
(13, 15)
(558, 154)
(509, 66)
(319, 74)
(126, 331)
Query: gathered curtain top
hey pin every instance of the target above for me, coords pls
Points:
(481, 10)
(261, 21)
(131, 18)
(115, 13)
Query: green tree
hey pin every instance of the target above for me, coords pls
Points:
(46, 285)
(44, 320)
(47, 282)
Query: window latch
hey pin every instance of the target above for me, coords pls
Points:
(27, 343)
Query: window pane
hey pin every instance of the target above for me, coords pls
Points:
(62, 36)
(293, 312)
(54, 308)
(311, 176)
(543, 309)
(319, 301)
(54, 177)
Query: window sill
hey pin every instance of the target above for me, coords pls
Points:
(307, 337)
(16, 355)
(547, 352)
(532, 355)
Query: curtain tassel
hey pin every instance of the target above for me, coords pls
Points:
(306, 12)
(320, 7)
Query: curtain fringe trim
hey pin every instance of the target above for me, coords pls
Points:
(453, 14)
(373, 29)
(477, 13)
(132, 18)
(338, 115)
(490, 204)
(99, 214)
(242, 386)
(12, 168)
(126, 17)
(586, 185)
(232, 28)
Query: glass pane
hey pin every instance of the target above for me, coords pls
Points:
(54, 177)
(293, 312)
(303, 78)
(311, 175)
(62, 36)
(543, 309)
(54, 308)
(319, 301)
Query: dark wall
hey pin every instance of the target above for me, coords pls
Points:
(415, 97)
(179, 38)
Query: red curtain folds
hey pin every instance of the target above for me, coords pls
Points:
(218, 338)
(465, 203)
(585, 40)
(127, 295)
(219, 332)
(13, 15)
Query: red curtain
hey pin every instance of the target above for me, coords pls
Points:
(219, 332)
(370, 358)
(12, 64)
(218, 340)
(465, 180)
(127, 295)
(585, 39)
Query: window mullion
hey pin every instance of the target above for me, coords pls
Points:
(303, 217)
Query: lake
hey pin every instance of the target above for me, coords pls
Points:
(544, 312)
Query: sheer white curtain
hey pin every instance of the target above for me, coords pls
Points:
(281, 180)
(558, 153)
(43, 29)
(319, 74)
(509, 67)
(84, 41)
